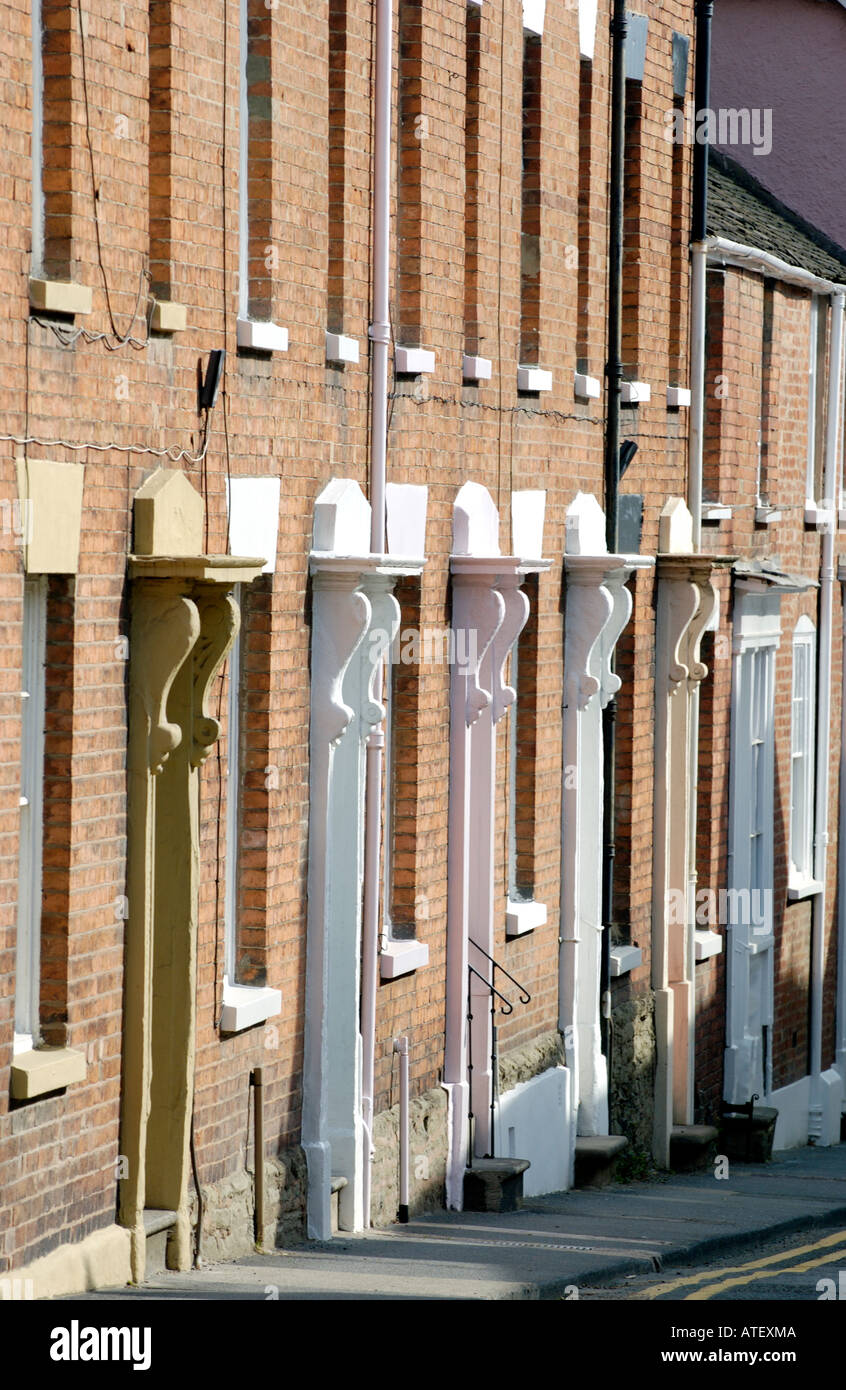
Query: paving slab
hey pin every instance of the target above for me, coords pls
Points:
(554, 1244)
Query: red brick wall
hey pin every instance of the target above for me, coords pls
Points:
(297, 417)
(736, 307)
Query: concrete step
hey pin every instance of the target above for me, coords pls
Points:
(596, 1158)
(157, 1224)
(494, 1184)
(692, 1147)
(743, 1141)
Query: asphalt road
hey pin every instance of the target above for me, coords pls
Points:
(806, 1267)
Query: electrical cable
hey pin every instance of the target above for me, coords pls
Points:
(173, 453)
(121, 338)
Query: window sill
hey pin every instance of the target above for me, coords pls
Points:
(259, 336)
(533, 379)
(635, 392)
(402, 958)
(476, 368)
(411, 361)
(341, 349)
(45, 1069)
(716, 512)
(586, 388)
(765, 515)
(59, 297)
(803, 888)
(821, 517)
(706, 944)
(523, 917)
(246, 1005)
(624, 959)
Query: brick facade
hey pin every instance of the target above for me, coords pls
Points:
(141, 179)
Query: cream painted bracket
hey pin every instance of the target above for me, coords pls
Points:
(686, 599)
(183, 623)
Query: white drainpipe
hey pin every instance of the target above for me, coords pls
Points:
(840, 1016)
(380, 337)
(696, 441)
(698, 309)
(827, 579)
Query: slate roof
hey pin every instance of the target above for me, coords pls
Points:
(741, 210)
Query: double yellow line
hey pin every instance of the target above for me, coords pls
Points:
(735, 1276)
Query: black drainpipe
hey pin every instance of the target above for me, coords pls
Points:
(614, 377)
(702, 100)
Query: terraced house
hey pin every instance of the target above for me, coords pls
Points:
(417, 538)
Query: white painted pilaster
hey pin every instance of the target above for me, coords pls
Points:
(355, 617)
(489, 612)
(598, 609)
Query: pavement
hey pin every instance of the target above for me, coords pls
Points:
(554, 1247)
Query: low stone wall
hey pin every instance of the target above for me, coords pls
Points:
(427, 1116)
(531, 1059)
(633, 1072)
(229, 1205)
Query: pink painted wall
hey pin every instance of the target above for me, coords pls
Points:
(789, 55)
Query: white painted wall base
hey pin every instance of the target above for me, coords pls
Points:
(793, 1103)
(534, 1121)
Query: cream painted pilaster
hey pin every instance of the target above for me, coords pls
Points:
(183, 622)
(686, 599)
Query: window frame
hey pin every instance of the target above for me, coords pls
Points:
(244, 1005)
(27, 1023)
(817, 404)
(801, 880)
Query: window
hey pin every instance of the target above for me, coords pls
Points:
(412, 129)
(759, 681)
(472, 167)
(817, 399)
(749, 907)
(801, 876)
(523, 913)
(233, 807)
(401, 951)
(37, 140)
(389, 694)
(634, 232)
(163, 38)
(753, 767)
(28, 973)
(54, 25)
(256, 252)
(530, 207)
(42, 1062)
(766, 418)
(247, 999)
(337, 157)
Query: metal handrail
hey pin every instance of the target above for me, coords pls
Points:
(506, 1007)
(525, 996)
